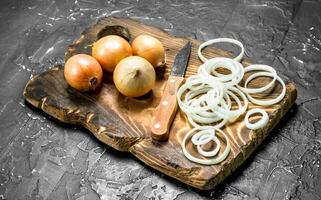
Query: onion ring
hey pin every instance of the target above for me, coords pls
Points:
(206, 70)
(266, 102)
(206, 99)
(217, 40)
(212, 152)
(190, 109)
(213, 161)
(263, 68)
(259, 124)
(198, 138)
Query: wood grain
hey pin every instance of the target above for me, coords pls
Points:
(125, 124)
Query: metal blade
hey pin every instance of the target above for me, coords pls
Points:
(181, 60)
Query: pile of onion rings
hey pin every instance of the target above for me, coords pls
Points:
(206, 99)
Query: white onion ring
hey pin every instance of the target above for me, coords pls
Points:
(206, 117)
(263, 68)
(266, 102)
(234, 114)
(208, 70)
(198, 138)
(210, 117)
(212, 152)
(190, 109)
(210, 66)
(195, 124)
(217, 40)
(205, 98)
(259, 124)
(213, 161)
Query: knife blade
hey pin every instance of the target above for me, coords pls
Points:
(166, 110)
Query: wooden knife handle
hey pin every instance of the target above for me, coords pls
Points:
(166, 110)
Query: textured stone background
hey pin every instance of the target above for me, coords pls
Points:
(43, 159)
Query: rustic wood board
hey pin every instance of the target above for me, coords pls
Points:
(124, 123)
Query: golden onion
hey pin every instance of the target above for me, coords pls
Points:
(109, 50)
(134, 76)
(83, 72)
(149, 48)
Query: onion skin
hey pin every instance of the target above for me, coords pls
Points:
(109, 50)
(83, 72)
(134, 76)
(149, 48)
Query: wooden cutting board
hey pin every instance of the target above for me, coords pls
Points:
(124, 123)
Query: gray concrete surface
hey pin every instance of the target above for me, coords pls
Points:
(43, 159)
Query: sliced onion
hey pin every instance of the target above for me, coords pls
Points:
(205, 98)
(232, 115)
(190, 109)
(266, 102)
(212, 161)
(208, 72)
(217, 40)
(263, 68)
(259, 124)
(198, 138)
(212, 152)
(210, 116)
(195, 124)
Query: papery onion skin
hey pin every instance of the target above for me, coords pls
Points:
(149, 48)
(110, 50)
(134, 76)
(83, 72)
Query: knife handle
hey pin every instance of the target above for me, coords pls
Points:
(165, 112)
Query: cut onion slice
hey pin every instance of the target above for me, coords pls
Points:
(217, 40)
(206, 99)
(212, 152)
(266, 102)
(259, 124)
(208, 72)
(203, 137)
(212, 161)
(194, 109)
(262, 68)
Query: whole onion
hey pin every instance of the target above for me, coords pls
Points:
(109, 50)
(83, 72)
(149, 48)
(134, 76)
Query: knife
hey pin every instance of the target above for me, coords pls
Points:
(166, 110)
